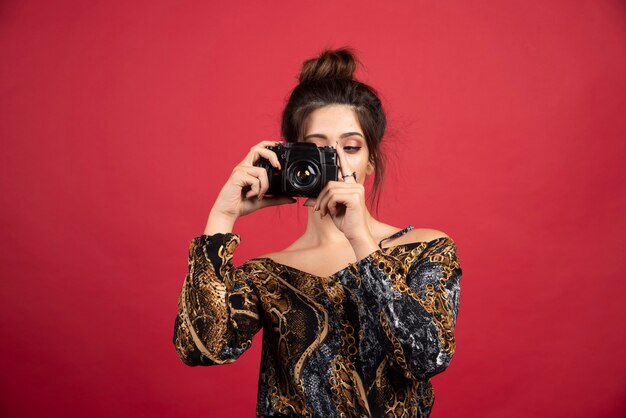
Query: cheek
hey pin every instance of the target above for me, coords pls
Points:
(357, 161)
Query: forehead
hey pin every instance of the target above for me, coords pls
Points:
(333, 118)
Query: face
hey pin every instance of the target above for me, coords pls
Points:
(338, 126)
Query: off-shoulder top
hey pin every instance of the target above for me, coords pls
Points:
(362, 342)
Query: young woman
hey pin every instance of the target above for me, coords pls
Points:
(351, 327)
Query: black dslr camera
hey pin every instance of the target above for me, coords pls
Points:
(306, 168)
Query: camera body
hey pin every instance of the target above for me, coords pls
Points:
(306, 169)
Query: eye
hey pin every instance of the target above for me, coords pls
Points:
(351, 149)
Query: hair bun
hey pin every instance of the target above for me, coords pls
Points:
(338, 63)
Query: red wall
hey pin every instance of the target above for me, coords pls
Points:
(120, 121)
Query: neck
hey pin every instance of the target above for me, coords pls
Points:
(321, 232)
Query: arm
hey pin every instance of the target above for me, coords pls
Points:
(218, 311)
(415, 300)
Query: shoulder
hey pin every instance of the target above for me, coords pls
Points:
(282, 256)
(275, 255)
(439, 248)
(417, 235)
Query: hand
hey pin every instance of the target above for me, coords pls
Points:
(344, 201)
(244, 191)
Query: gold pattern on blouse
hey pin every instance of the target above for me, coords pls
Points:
(362, 342)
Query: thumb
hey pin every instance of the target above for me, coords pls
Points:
(276, 200)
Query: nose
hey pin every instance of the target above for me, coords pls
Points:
(338, 159)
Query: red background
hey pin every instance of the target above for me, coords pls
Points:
(120, 122)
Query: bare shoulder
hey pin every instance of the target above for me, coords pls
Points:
(274, 256)
(284, 256)
(417, 235)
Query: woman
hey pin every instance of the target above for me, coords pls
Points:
(350, 327)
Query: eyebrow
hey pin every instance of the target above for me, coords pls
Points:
(347, 134)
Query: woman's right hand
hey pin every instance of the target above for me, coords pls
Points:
(245, 189)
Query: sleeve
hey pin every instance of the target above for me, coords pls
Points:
(415, 301)
(218, 306)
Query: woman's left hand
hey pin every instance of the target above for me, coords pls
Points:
(344, 201)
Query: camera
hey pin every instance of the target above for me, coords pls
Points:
(306, 169)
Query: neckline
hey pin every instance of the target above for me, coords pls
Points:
(397, 234)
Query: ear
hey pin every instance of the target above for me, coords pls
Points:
(370, 168)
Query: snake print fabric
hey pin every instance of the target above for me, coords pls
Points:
(362, 342)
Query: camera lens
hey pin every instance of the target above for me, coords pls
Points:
(303, 175)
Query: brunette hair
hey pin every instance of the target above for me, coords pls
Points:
(327, 80)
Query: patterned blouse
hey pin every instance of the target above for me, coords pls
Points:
(362, 342)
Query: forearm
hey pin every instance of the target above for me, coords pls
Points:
(218, 311)
(363, 246)
(219, 223)
(414, 298)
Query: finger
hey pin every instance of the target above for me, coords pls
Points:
(322, 194)
(258, 173)
(337, 185)
(267, 154)
(348, 192)
(319, 197)
(243, 179)
(246, 179)
(267, 142)
(261, 174)
(255, 177)
(258, 151)
(346, 169)
(255, 187)
(339, 198)
(323, 202)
